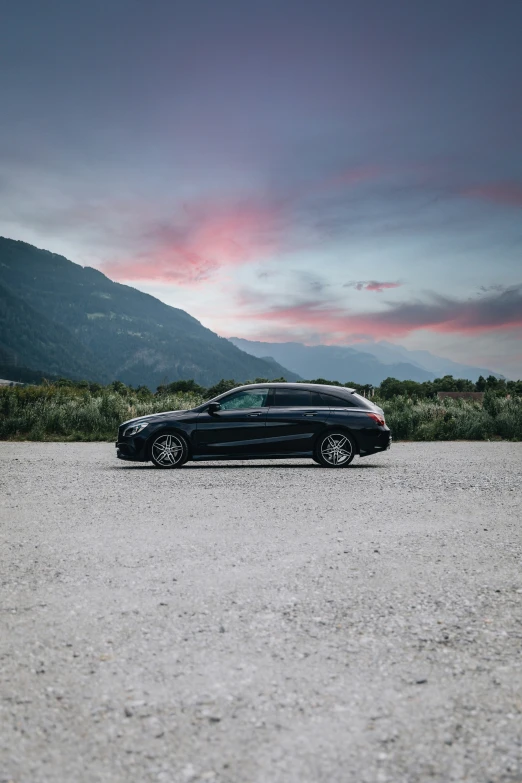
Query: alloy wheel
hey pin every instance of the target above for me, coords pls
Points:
(168, 451)
(336, 450)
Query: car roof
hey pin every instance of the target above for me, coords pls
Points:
(310, 386)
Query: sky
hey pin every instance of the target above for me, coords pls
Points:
(327, 171)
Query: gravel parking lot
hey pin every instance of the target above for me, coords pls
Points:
(261, 622)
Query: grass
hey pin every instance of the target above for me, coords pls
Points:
(67, 413)
(450, 419)
(48, 413)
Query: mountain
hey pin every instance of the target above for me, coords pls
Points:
(61, 317)
(388, 353)
(335, 363)
(31, 339)
(15, 374)
(368, 362)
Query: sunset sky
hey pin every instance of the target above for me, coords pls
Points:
(321, 170)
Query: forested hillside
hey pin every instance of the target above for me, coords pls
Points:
(30, 338)
(61, 317)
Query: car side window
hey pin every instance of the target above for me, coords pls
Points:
(293, 398)
(254, 398)
(361, 402)
(321, 400)
(339, 402)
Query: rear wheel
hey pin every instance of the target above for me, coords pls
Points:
(334, 450)
(168, 450)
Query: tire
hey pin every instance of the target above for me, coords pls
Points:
(334, 449)
(168, 450)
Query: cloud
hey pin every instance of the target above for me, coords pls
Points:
(352, 176)
(370, 285)
(509, 193)
(487, 289)
(334, 324)
(206, 236)
(201, 240)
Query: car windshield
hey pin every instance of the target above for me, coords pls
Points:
(252, 398)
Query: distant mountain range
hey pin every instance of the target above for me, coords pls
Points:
(367, 363)
(68, 320)
(389, 353)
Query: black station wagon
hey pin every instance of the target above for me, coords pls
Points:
(330, 424)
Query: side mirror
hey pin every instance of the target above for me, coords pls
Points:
(213, 408)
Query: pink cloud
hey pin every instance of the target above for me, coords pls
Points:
(371, 285)
(206, 238)
(500, 192)
(375, 286)
(500, 312)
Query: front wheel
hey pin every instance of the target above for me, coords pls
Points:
(168, 451)
(334, 450)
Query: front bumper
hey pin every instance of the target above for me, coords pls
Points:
(130, 451)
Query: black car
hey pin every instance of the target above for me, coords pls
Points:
(330, 424)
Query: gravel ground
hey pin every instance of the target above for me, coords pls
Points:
(261, 622)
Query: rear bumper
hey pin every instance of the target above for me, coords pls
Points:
(380, 440)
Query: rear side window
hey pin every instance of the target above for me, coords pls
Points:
(292, 398)
(339, 402)
(321, 400)
(361, 401)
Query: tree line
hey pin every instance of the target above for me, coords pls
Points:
(388, 389)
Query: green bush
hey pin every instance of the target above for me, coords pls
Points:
(66, 413)
(449, 419)
(78, 411)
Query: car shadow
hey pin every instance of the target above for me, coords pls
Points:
(220, 466)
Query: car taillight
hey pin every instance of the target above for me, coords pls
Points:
(377, 417)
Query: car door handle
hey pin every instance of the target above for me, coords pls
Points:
(254, 414)
(310, 414)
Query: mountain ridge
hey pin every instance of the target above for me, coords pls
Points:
(340, 363)
(124, 333)
(354, 363)
(426, 360)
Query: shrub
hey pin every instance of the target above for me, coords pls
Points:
(450, 419)
(70, 413)
(79, 411)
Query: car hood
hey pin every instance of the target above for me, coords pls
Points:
(157, 417)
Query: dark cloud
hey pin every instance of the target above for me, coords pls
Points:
(371, 285)
(497, 288)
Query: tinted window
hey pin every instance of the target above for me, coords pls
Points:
(254, 398)
(292, 398)
(321, 400)
(339, 402)
(361, 402)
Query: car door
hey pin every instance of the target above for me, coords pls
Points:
(237, 429)
(294, 420)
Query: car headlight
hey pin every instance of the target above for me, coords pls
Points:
(135, 428)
